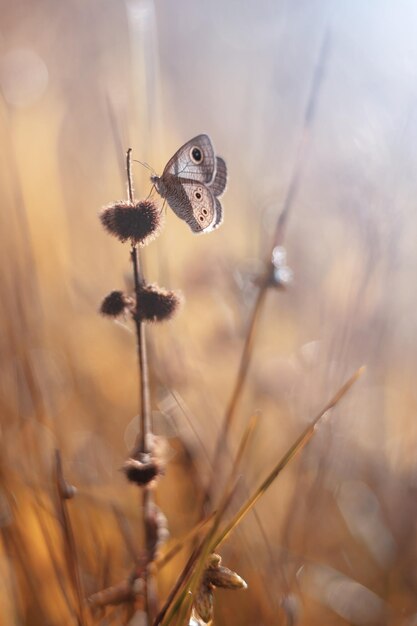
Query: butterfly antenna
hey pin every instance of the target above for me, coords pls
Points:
(148, 167)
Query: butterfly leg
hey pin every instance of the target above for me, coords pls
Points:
(163, 206)
(151, 192)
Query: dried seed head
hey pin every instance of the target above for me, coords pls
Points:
(115, 303)
(68, 491)
(142, 468)
(214, 560)
(203, 603)
(216, 575)
(224, 577)
(138, 222)
(155, 304)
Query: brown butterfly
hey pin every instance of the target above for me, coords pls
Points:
(191, 183)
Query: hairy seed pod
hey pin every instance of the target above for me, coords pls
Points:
(142, 469)
(139, 222)
(155, 304)
(115, 303)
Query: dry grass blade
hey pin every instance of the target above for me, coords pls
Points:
(53, 555)
(302, 440)
(123, 591)
(183, 603)
(277, 240)
(300, 160)
(228, 492)
(203, 550)
(70, 548)
(161, 561)
(227, 495)
(248, 433)
(243, 369)
(174, 593)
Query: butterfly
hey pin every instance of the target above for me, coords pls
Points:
(191, 183)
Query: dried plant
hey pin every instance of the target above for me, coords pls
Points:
(89, 494)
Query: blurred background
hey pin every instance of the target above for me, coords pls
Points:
(333, 541)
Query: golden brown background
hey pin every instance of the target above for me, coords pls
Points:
(334, 540)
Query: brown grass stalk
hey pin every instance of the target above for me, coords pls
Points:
(278, 238)
(142, 443)
(298, 445)
(68, 534)
(202, 551)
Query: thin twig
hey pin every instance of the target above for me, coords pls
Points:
(145, 412)
(161, 561)
(180, 582)
(52, 549)
(199, 556)
(70, 547)
(203, 549)
(143, 440)
(277, 239)
(296, 447)
(303, 144)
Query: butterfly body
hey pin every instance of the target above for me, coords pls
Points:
(191, 183)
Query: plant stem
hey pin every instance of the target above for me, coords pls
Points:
(277, 239)
(299, 443)
(145, 426)
(144, 403)
(70, 548)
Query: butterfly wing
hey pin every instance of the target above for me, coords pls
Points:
(219, 214)
(219, 182)
(195, 160)
(192, 202)
(218, 218)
